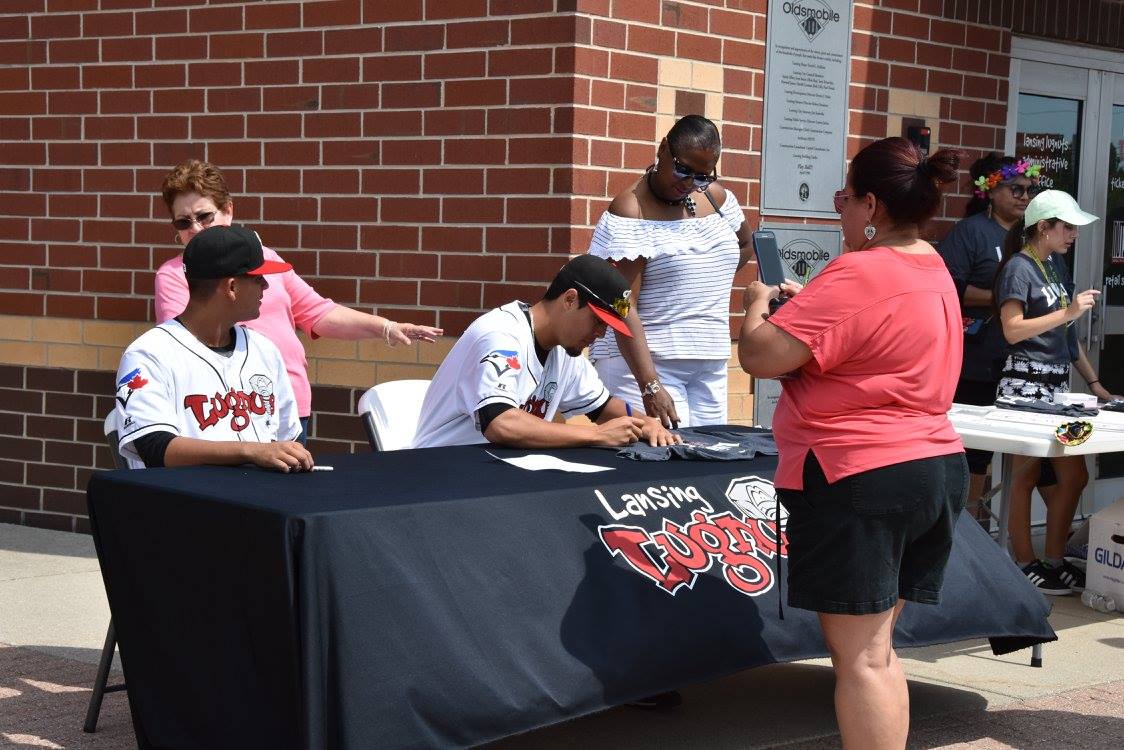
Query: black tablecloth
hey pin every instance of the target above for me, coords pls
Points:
(439, 597)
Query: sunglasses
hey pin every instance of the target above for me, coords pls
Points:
(203, 219)
(682, 171)
(1073, 433)
(1018, 191)
(840, 199)
(620, 306)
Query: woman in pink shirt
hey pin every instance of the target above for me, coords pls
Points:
(871, 471)
(197, 197)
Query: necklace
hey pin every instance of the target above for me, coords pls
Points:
(686, 201)
(1050, 275)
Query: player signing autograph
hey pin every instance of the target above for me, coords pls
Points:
(519, 365)
(199, 389)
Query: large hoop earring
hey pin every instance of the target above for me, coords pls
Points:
(870, 231)
(176, 238)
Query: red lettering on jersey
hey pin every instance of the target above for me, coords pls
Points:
(238, 404)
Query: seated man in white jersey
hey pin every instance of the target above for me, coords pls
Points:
(519, 365)
(200, 389)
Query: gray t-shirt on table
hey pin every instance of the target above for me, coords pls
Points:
(1022, 280)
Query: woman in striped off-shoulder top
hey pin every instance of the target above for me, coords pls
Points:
(678, 237)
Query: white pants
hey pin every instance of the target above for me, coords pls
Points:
(697, 386)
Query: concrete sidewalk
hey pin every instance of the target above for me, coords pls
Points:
(53, 616)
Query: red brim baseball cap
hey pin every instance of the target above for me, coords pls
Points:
(270, 266)
(611, 319)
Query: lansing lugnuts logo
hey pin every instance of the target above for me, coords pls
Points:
(813, 16)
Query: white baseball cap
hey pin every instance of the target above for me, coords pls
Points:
(1056, 204)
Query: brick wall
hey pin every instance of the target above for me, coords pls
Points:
(423, 159)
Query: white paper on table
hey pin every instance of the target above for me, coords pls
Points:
(539, 461)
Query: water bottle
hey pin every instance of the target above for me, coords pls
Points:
(1099, 602)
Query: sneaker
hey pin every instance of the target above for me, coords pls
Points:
(1071, 576)
(659, 701)
(1046, 579)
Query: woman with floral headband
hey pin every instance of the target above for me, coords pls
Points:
(1003, 186)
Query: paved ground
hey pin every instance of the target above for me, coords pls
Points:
(53, 616)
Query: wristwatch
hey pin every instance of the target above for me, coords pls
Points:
(652, 388)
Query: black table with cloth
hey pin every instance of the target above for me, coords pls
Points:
(439, 597)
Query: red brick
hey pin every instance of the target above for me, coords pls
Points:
(122, 308)
(330, 124)
(410, 95)
(74, 51)
(361, 264)
(511, 239)
(333, 13)
(444, 9)
(947, 32)
(23, 103)
(124, 102)
(58, 230)
(211, 20)
(209, 74)
(107, 76)
(161, 22)
(934, 55)
(23, 53)
(379, 11)
(453, 181)
(115, 282)
(352, 41)
(72, 153)
(385, 292)
(19, 179)
(349, 209)
(237, 46)
(351, 152)
(286, 153)
(19, 303)
(910, 26)
(319, 181)
(273, 15)
(969, 61)
(331, 69)
(130, 154)
(56, 26)
(391, 181)
(190, 47)
(442, 122)
(481, 92)
(897, 50)
(293, 209)
(328, 236)
(55, 77)
(161, 76)
(273, 125)
(540, 91)
(295, 44)
(106, 231)
(161, 126)
(24, 153)
(15, 79)
(908, 77)
(451, 294)
(518, 62)
(548, 210)
(395, 122)
(272, 73)
(62, 500)
(456, 64)
(56, 128)
(393, 68)
(204, 127)
(242, 99)
(944, 82)
(234, 152)
(475, 151)
(518, 180)
(418, 38)
(287, 98)
(415, 210)
(118, 50)
(554, 29)
(405, 265)
(107, 24)
(352, 96)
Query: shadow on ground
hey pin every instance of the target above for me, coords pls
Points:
(43, 701)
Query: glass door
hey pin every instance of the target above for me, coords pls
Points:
(1070, 119)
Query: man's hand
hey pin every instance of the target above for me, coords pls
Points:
(661, 406)
(620, 431)
(288, 456)
(655, 433)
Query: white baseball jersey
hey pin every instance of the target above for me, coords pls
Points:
(169, 381)
(494, 362)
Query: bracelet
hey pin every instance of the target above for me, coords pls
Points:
(386, 331)
(1091, 382)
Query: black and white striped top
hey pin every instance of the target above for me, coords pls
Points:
(684, 299)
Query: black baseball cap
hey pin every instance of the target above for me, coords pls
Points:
(219, 251)
(602, 287)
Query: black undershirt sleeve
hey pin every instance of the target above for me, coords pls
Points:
(487, 413)
(596, 413)
(152, 447)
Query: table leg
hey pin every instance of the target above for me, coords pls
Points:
(1036, 655)
(1006, 474)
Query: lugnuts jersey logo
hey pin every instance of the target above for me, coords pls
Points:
(239, 406)
(741, 543)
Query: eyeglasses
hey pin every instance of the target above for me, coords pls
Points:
(203, 219)
(840, 199)
(1018, 191)
(682, 171)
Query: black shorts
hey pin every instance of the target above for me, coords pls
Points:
(857, 546)
(979, 393)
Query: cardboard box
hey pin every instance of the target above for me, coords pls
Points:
(1104, 572)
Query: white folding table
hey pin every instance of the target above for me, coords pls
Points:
(1019, 433)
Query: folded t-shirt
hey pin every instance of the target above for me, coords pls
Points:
(724, 443)
(1020, 403)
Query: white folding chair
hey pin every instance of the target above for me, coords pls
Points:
(109, 427)
(390, 413)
